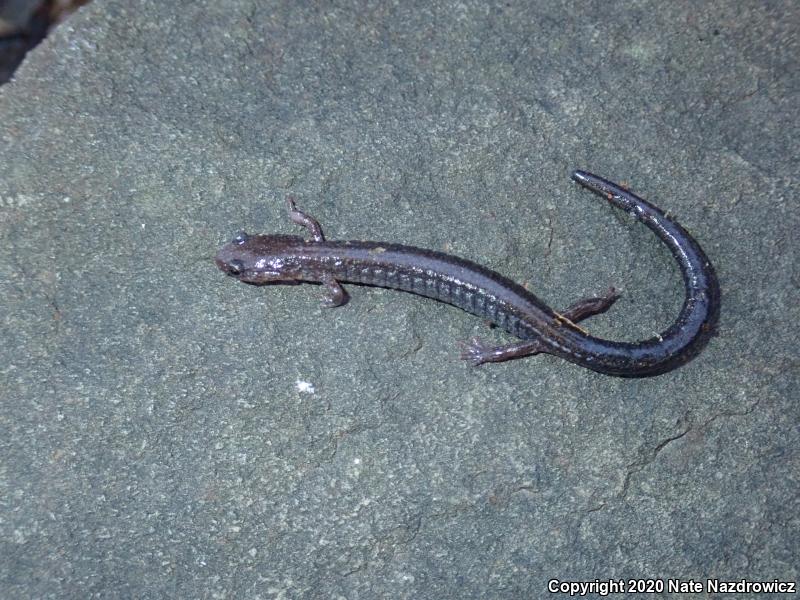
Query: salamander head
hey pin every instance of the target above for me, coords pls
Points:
(260, 258)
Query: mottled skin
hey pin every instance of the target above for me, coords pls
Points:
(262, 259)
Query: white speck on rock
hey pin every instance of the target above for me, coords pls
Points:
(304, 387)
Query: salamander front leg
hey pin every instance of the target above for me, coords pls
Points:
(334, 293)
(477, 352)
(301, 218)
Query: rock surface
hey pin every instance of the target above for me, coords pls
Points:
(167, 432)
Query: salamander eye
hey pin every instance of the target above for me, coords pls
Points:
(235, 267)
(241, 238)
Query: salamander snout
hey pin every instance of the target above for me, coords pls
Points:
(234, 267)
(260, 259)
(229, 259)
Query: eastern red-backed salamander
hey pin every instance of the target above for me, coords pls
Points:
(261, 259)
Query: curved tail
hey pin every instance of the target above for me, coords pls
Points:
(700, 311)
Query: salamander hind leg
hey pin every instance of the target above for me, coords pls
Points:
(588, 307)
(477, 352)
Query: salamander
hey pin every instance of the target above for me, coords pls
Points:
(262, 259)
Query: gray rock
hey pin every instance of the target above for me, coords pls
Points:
(159, 437)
